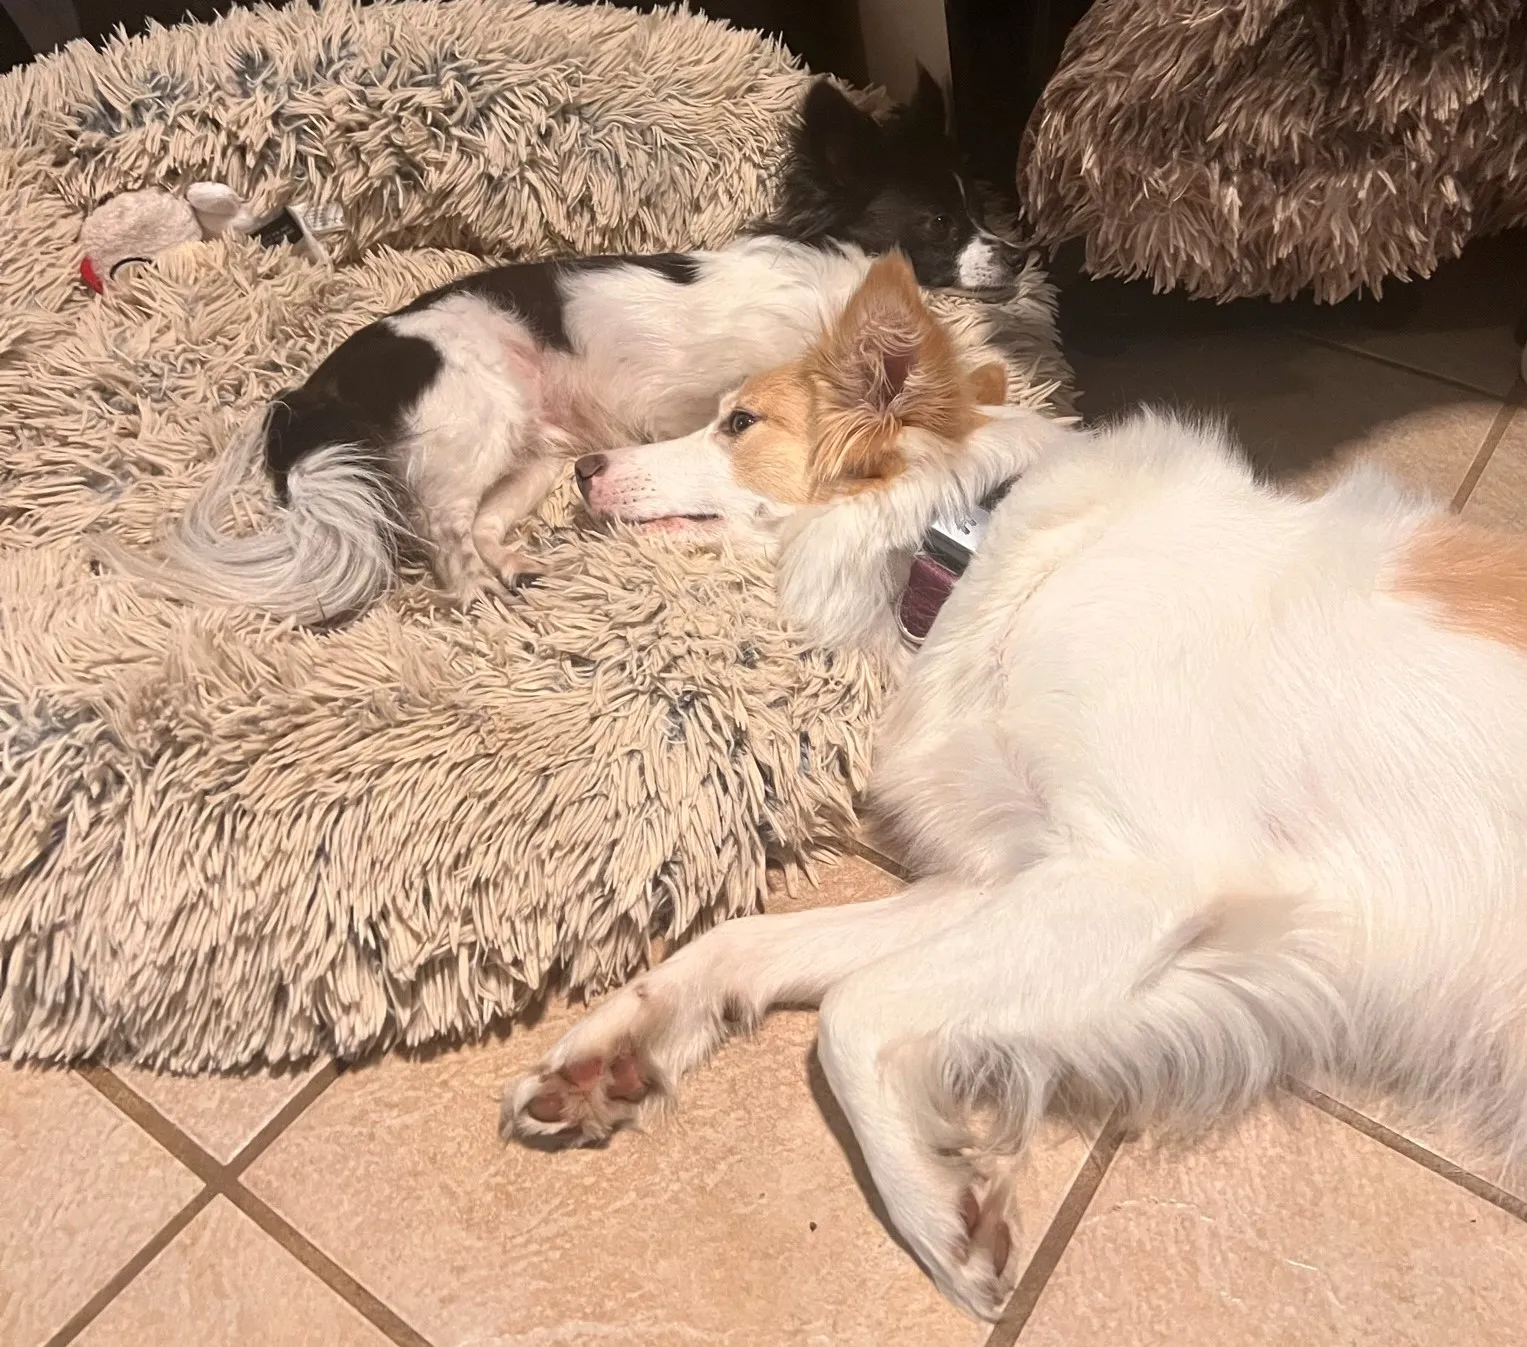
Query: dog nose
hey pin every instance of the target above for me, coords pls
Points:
(589, 467)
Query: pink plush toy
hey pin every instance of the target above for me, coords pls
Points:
(134, 228)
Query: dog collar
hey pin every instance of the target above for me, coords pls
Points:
(938, 563)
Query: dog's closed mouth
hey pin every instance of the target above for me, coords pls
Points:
(680, 523)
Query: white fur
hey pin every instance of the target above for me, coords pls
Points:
(477, 424)
(328, 554)
(1201, 802)
(657, 355)
(982, 263)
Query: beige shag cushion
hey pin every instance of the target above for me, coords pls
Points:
(223, 841)
(1269, 146)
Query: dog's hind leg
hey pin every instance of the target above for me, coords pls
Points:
(465, 519)
(470, 437)
(641, 1040)
(507, 504)
(1108, 973)
(460, 572)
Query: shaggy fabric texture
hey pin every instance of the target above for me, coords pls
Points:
(225, 841)
(1270, 146)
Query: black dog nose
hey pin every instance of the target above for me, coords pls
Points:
(589, 467)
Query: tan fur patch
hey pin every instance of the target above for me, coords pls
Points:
(832, 423)
(988, 385)
(1475, 580)
(773, 457)
(886, 330)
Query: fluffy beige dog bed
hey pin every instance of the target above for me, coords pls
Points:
(223, 841)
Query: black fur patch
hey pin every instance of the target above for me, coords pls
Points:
(528, 289)
(679, 268)
(877, 183)
(359, 395)
(533, 290)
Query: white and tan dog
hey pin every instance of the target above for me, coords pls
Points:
(1209, 783)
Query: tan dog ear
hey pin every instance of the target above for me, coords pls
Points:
(885, 364)
(988, 385)
(868, 354)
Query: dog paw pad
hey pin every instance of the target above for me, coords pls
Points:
(987, 1233)
(579, 1103)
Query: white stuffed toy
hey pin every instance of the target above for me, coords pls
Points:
(134, 228)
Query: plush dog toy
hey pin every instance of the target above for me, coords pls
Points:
(134, 228)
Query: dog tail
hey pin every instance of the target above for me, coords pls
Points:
(327, 552)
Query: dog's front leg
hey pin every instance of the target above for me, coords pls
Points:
(640, 1041)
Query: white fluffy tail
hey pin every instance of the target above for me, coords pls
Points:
(325, 555)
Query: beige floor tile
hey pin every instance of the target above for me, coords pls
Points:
(740, 1220)
(1288, 1231)
(81, 1189)
(221, 1114)
(223, 1281)
(847, 879)
(1499, 497)
(1462, 326)
(1443, 1139)
(1300, 408)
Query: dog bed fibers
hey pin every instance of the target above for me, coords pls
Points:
(1274, 146)
(225, 841)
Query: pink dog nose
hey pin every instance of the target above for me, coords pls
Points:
(589, 467)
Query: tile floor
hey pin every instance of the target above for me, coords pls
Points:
(376, 1205)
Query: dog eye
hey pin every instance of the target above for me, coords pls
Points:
(941, 222)
(739, 421)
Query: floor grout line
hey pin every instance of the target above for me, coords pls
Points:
(149, 1250)
(222, 1180)
(285, 1116)
(125, 1099)
(381, 1315)
(1047, 1254)
(881, 861)
(1411, 1150)
(1486, 451)
(1331, 344)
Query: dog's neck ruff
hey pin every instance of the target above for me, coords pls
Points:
(939, 562)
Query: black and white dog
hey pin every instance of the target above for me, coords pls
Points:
(449, 421)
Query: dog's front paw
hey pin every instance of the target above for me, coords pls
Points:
(626, 1055)
(579, 1103)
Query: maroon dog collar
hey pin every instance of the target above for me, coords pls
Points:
(929, 584)
(937, 565)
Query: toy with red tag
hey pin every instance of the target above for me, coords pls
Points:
(133, 229)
